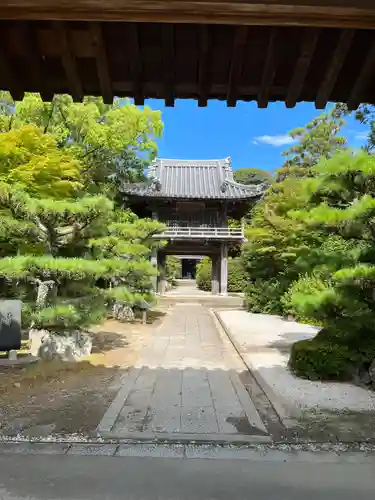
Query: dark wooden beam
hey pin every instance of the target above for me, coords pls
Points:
(344, 13)
(205, 55)
(363, 79)
(310, 40)
(101, 62)
(9, 80)
(334, 68)
(269, 70)
(33, 60)
(69, 61)
(237, 60)
(168, 62)
(135, 63)
(32, 53)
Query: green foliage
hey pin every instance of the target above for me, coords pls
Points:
(317, 141)
(33, 161)
(237, 277)
(322, 361)
(204, 274)
(264, 296)
(67, 249)
(109, 144)
(280, 245)
(173, 269)
(339, 291)
(252, 176)
(125, 294)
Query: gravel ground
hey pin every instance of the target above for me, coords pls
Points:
(56, 398)
(264, 342)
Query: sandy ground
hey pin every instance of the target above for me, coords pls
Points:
(70, 398)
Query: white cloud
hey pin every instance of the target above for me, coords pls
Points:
(361, 136)
(274, 140)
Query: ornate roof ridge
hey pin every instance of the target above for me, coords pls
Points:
(180, 162)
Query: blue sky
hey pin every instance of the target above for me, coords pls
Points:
(252, 137)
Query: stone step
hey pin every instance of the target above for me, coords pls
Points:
(211, 301)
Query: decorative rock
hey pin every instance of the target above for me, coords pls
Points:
(70, 346)
(123, 312)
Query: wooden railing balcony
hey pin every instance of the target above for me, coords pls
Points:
(211, 233)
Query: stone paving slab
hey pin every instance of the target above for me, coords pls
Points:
(184, 383)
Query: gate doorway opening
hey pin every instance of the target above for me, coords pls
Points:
(189, 268)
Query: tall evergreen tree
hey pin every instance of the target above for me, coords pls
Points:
(318, 140)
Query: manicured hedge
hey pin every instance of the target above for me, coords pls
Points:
(237, 278)
(322, 360)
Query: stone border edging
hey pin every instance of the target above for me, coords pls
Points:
(286, 417)
(325, 452)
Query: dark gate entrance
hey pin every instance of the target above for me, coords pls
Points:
(189, 268)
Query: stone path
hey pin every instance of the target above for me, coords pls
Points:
(185, 385)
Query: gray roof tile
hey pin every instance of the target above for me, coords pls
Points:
(198, 179)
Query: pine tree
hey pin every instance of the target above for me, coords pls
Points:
(81, 258)
(338, 290)
(318, 140)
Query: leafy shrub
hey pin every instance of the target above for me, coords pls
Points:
(303, 299)
(317, 360)
(237, 276)
(204, 275)
(336, 353)
(265, 296)
(173, 268)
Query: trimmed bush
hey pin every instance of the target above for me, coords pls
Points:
(329, 356)
(204, 275)
(263, 296)
(237, 277)
(316, 360)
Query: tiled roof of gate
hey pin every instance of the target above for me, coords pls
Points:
(195, 179)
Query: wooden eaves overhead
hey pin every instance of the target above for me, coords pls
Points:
(250, 50)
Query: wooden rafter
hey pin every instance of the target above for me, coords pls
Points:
(205, 45)
(31, 51)
(309, 43)
(334, 68)
(101, 62)
(362, 81)
(9, 78)
(33, 60)
(69, 62)
(135, 63)
(168, 63)
(237, 59)
(323, 13)
(269, 70)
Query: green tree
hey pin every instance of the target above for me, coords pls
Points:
(33, 161)
(318, 140)
(113, 142)
(365, 114)
(338, 290)
(252, 176)
(84, 256)
(277, 246)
